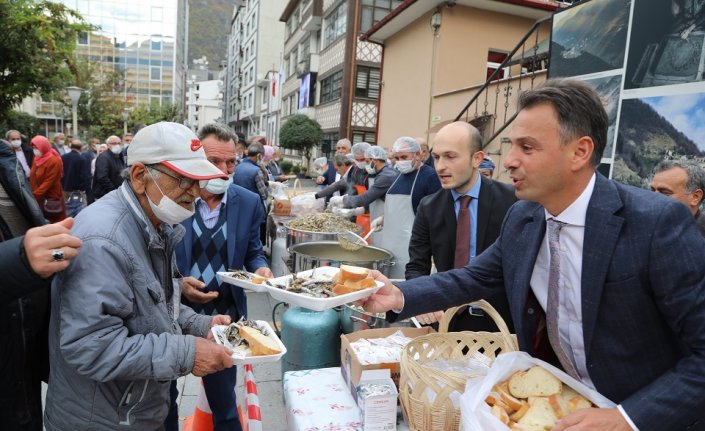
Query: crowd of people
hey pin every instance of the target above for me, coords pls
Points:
(598, 278)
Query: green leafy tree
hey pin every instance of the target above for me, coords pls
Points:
(153, 113)
(300, 133)
(25, 123)
(38, 40)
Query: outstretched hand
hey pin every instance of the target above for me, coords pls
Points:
(388, 297)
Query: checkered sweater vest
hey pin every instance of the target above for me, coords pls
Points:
(210, 255)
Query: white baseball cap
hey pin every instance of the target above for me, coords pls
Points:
(174, 146)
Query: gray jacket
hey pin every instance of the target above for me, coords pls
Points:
(117, 322)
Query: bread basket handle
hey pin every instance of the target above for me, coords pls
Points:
(487, 308)
(297, 184)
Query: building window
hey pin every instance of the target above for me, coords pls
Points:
(367, 82)
(374, 10)
(155, 73)
(360, 136)
(82, 38)
(156, 45)
(328, 141)
(335, 24)
(330, 87)
(494, 60)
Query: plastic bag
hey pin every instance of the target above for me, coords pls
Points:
(305, 204)
(475, 413)
(281, 203)
(320, 165)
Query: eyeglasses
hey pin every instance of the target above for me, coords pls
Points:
(184, 183)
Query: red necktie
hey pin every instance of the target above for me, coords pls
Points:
(462, 233)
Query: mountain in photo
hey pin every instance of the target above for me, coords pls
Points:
(645, 138)
(209, 26)
(597, 29)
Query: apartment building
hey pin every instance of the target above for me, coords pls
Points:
(329, 74)
(254, 55)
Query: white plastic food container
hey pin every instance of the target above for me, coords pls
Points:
(316, 304)
(227, 277)
(241, 356)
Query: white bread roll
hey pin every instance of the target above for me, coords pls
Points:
(260, 344)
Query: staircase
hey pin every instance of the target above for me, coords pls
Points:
(493, 106)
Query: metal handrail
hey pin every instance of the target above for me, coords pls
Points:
(503, 65)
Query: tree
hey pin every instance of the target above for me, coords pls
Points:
(300, 133)
(154, 113)
(25, 123)
(38, 40)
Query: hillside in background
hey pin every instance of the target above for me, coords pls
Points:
(209, 26)
(644, 139)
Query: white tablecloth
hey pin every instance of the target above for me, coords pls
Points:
(319, 400)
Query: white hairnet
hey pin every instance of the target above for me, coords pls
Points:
(376, 152)
(360, 148)
(406, 144)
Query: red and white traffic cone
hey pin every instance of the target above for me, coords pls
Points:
(254, 414)
(202, 417)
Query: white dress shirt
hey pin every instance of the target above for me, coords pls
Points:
(570, 312)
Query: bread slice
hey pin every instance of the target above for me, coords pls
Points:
(539, 417)
(578, 402)
(259, 343)
(500, 414)
(559, 405)
(353, 286)
(521, 411)
(536, 382)
(509, 400)
(352, 273)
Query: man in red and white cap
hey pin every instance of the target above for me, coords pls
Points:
(119, 334)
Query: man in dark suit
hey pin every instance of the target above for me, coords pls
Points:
(614, 273)
(458, 154)
(342, 147)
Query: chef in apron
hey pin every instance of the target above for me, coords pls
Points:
(380, 178)
(416, 180)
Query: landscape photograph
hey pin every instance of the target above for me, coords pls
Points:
(667, 40)
(609, 89)
(652, 129)
(589, 38)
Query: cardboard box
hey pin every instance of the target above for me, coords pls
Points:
(350, 366)
(379, 412)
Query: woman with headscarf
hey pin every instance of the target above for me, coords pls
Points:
(45, 179)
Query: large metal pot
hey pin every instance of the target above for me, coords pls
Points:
(299, 236)
(328, 253)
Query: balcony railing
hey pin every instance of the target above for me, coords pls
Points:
(492, 107)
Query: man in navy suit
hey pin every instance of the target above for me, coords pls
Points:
(222, 234)
(614, 273)
(458, 155)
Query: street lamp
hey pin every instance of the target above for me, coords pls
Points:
(125, 117)
(75, 94)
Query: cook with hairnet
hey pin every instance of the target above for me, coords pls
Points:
(381, 177)
(416, 180)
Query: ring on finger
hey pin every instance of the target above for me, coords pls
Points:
(57, 255)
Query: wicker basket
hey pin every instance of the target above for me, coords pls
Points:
(440, 415)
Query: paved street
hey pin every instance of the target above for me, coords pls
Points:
(267, 376)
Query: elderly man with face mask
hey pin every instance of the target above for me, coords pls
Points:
(108, 167)
(118, 332)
